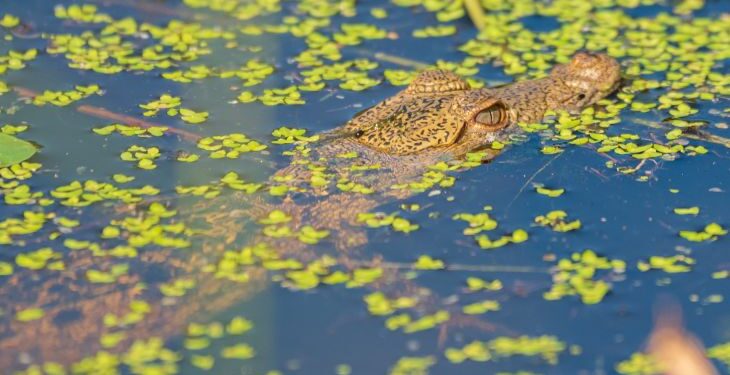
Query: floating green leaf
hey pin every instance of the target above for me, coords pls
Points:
(14, 150)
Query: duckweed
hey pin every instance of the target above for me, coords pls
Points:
(239, 351)
(477, 222)
(556, 220)
(434, 31)
(380, 219)
(354, 187)
(481, 307)
(546, 347)
(429, 180)
(710, 233)
(575, 276)
(137, 311)
(413, 365)
(6, 269)
(144, 156)
(177, 288)
(687, 211)
(518, 236)
(30, 223)
(310, 235)
(131, 131)
(13, 129)
(204, 362)
(64, 98)
(229, 146)
(77, 194)
(233, 181)
(165, 102)
(19, 171)
(107, 277)
(399, 77)
(286, 135)
(672, 60)
(721, 353)
(29, 314)
(122, 178)
(82, 13)
(412, 325)
(379, 304)
(39, 259)
(363, 276)
(639, 364)
(9, 21)
(425, 262)
(111, 340)
(272, 97)
(15, 60)
(552, 193)
(476, 284)
(193, 117)
(673, 264)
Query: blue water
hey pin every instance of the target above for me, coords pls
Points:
(314, 331)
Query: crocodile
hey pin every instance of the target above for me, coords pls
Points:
(440, 117)
(437, 118)
(439, 113)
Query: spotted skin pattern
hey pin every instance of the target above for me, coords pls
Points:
(424, 115)
(437, 81)
(439, 112)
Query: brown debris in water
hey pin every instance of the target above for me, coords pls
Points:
(675, 349)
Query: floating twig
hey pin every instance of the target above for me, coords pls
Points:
(698, 135)
(529, 180)
(154, 8)
(476, 13)
(403, 61)
(460, 267)
(106, 114)
(133, 121)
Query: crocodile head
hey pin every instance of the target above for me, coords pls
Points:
(589, 78)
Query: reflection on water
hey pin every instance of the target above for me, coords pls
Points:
(243, 263)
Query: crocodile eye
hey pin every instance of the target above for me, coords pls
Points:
(493, 116)
(359, 133)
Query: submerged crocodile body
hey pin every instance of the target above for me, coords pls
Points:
(438, 117)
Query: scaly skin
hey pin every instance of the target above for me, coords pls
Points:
(437, 118)
(439, 115)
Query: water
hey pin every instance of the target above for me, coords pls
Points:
(328, 329)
